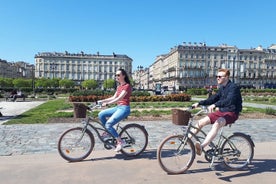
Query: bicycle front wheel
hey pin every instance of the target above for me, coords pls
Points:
(136, 139)
(76, 144)
(237, 151)
(176, 154)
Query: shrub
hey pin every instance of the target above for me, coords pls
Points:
(174, 97)
(270, 111)
(272, 100)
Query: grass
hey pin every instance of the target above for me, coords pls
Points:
(53, 109)
(42, 113)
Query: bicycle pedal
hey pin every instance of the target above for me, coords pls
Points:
(109, 146)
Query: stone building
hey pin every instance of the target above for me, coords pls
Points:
(195, 66)
(81, 66)
(14, 70)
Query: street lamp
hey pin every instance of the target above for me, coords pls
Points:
(139, 68)
(234, 59)
(33, 78)
(53, 66)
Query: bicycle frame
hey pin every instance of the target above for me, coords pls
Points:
(176, 153)
(214, 152)
(88, 123)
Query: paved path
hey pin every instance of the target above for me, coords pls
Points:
(13, 109)
(43, 138)
(29, 154)
(108, 167)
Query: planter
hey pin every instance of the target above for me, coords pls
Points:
(79, 110)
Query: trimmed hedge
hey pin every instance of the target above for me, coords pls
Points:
(173, 97)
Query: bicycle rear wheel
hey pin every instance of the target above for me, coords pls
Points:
(176, 154)
(75, 144)
(136, 139)
(237, 151)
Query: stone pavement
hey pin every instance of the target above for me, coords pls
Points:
(29, 154)
(43, 138)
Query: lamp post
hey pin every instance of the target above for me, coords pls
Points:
(234, 59)
(53, 66)
(139, 68)
(33, 79)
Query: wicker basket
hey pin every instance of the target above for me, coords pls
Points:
(79, 110)
(180, 117)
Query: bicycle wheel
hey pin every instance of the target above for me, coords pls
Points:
(175, 154)
(237, 151)
(75, 145)
(136, 139)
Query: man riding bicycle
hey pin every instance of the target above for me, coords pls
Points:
(224, 108)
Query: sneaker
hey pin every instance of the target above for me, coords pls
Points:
(198, 148)
(120, 145)
(105, 136)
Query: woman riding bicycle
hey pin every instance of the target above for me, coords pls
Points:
(111, 116)
(228, 100)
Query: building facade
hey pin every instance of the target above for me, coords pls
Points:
(80, 67)
(14, 70)
(196, 65)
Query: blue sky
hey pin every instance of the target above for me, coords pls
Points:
(141, 29)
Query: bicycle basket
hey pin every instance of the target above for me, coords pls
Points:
(180, 117)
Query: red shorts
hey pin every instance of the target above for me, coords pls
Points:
(230, 117)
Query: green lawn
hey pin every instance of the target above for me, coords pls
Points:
(54, 109)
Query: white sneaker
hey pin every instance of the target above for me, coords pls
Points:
(120, 145)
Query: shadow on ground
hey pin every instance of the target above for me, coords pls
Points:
(257, 166)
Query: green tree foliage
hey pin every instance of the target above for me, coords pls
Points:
(66, 83)
(19, 83)
(89, 84)
(41, 83)
(6, 82)
(109, 84)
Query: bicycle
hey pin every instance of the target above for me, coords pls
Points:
(77, 143)
(176, 153)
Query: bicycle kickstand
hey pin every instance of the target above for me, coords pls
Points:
(212, 163)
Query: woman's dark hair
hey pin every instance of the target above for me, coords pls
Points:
(123, 72)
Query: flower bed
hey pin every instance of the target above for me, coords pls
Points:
(173, 97)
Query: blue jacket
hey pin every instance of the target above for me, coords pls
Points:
(227, 99)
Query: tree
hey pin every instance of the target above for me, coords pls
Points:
(89, 84)
(20, 82)
(6, 82)
(109, 84)
(66, 83)
(43, 83)
(54, 82)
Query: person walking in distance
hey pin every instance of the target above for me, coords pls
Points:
(111, 116)
(224, 108)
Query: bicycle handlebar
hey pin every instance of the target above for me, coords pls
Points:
(94, 106)
(203, 110)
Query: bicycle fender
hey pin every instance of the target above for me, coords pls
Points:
(246, 135)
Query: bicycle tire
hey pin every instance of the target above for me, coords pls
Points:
(237, 151)
(75, 145)
(136, 139)
(174, 156)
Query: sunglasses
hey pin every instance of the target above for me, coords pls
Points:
(219, 76)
